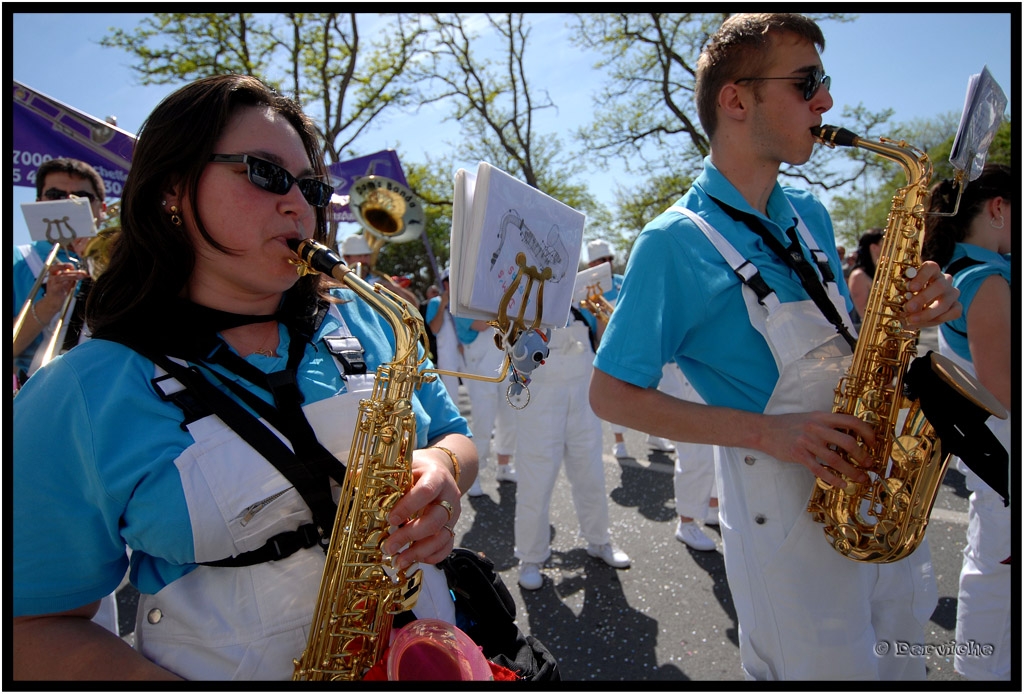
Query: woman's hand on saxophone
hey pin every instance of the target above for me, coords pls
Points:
(935, 299)
(425, 517)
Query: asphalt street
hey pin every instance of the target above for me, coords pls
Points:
(670, 616)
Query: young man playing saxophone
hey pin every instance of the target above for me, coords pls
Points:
(767, 374)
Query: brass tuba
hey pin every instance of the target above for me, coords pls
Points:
(389, 211)
(885, 520)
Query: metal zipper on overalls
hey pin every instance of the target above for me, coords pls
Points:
(256, 508)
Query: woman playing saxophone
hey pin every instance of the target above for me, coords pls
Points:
(206, 425)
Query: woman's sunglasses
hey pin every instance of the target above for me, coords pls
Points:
(815, 80)
(275, 179)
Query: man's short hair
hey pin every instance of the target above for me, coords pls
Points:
(740, 48)
(74, 167)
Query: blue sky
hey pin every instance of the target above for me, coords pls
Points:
(917, 64)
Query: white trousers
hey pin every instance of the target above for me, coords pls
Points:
(983, 615)
(558, 425)
(694, 475)
(483, 358)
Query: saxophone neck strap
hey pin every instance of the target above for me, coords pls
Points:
(198, 397)
(793, 257)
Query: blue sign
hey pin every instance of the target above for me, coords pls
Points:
(45, 129)
(384, 163)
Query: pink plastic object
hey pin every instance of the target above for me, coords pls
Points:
(431, 649)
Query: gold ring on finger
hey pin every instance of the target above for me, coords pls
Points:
(447, 507)
(449, 529)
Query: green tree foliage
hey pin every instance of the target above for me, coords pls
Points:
(870, 198)
(492, 96)
(645, 117)
(320, 59)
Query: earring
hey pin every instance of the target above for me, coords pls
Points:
(164, 203)
(1002, 222)
(175, 219)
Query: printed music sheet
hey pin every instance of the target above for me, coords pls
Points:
(495, 218)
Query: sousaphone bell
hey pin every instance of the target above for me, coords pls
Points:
(388, 210)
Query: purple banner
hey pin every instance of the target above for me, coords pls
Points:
(384, 163)
(45, 129)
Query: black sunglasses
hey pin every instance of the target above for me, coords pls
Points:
(58, 194)
(275, 179)
(811, 83)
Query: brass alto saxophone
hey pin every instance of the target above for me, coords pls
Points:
(360, 592)
(885, 519)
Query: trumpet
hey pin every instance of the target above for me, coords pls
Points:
(597, 304)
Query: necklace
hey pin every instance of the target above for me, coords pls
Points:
(266, 351)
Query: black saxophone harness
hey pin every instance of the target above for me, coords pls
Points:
(309, 467)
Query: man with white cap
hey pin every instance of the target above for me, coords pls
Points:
(600, 251)
(356, 253)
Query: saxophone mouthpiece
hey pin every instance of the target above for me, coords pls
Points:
(293, 244)
(831, 136)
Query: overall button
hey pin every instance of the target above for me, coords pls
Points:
(750, 460)
(154, 616)
(760, 519)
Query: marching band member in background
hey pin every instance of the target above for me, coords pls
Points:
(56, 179)
(559, 426)
(600, 251)
(974, 246)
(355, 251)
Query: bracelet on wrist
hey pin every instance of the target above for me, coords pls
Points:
(456, 471)
(36, 317)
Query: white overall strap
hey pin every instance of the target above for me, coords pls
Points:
(743, 268)
(32, 259)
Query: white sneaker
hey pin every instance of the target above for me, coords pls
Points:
(692, 536)
(712, 518)
(476, 489)
(505, 473)
(530, 576)
(609, 554)
(619, 450)
(659, 444)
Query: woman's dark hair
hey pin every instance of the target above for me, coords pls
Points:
(864, 259)
(152, 258)
(943, 233)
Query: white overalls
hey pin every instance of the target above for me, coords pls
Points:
(448, 357)
(983, 614)
(805, 611)
(558, 425)
(694, 476)
(483, 358)
(248, 623)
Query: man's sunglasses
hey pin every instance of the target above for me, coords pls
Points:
(811, 83)
(58, 194)
(275, 179)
